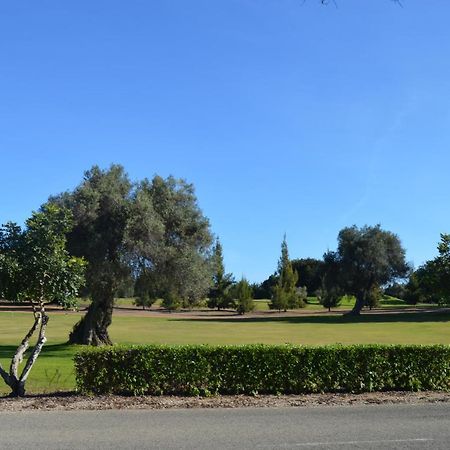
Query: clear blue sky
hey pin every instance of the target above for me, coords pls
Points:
(287, 116)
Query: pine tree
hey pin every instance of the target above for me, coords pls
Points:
(243, 292)
(285, 293)
(329, 296)
(373, 297)
(219, 295)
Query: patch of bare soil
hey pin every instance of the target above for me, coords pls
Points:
(70, 401)
(202, 314)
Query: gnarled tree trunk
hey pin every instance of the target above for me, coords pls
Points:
(358, 306)
(15, 381)
(92, 329)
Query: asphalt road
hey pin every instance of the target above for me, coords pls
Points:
(354, 427)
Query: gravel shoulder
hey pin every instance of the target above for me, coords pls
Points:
(68, 401)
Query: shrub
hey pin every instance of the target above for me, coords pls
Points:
(244, 301)
(144, 300)
(251, 369)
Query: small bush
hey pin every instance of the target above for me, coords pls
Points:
(250, 369)
(144, 300)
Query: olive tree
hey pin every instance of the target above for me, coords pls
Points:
(367, 257)
(153, 231)
(36, 268)
(168, 240)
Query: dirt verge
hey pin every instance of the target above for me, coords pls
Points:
(68, 401)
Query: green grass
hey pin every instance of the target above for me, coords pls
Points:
(312, 304)
(347, 302)
(54, 370)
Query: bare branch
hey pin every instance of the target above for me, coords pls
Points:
(38, 347)
(23, 347)
(4, 374)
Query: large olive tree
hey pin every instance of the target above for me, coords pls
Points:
(367, 258)
(152, 230)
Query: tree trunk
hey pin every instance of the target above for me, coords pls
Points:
(359, 304)
(12, 379)
(5, 375)
(92, 329)
(17, 389)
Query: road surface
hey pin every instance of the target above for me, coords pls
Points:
(425, 426)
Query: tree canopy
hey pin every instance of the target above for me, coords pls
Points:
(431, 281)
(243, 294)
(285, 293)
(367, 258)
(310, 272)
(219, 295)
(35, 267)
(152, 230)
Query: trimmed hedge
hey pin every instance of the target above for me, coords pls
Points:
(252, 369)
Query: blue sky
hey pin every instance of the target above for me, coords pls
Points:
(288, 117)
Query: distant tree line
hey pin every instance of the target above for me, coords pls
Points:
(368, 264)
(149, 239)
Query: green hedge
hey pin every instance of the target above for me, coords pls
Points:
(252, 369)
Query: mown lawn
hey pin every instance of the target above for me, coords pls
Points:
(347, 302)
(54, 370)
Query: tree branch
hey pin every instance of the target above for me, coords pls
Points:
(4, 374)
(38, 347)
(23, 347)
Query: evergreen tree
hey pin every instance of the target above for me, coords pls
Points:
(243, 292)
(219, 295)
(329, 296)
(171, 301)
(373, 297)
(330, 293)
(285, 293)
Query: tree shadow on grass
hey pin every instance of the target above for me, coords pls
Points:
(332, 319)
(48, 351)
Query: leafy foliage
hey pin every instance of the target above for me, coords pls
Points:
(397, 290)
(35, 267)
(34, 263)
(285, 294)
(430, 283)
(367, 258)
(373, 297)
(265, 289)
(178, 260)
(310, 272)
(144, 300)
(243, 294)
(434, 276)
(219, 295)
(151, 231)
(252, 369)
(328, 297)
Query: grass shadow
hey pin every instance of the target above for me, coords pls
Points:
(48, 351)
(332, 318)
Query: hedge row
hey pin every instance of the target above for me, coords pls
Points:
(252, 369)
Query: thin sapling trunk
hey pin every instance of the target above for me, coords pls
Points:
(15, 381)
